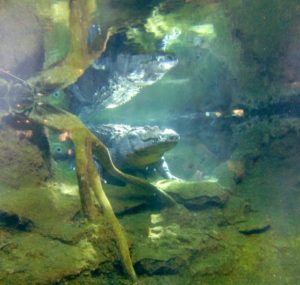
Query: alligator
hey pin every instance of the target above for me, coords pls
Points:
(114, 79)
(133, 149)
(138, 148)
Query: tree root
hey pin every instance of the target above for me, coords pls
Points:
(86, 144)
(79, 57)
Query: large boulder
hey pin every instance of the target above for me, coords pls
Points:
(42, 238)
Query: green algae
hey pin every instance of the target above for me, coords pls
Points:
(56, 245)
(192, 189)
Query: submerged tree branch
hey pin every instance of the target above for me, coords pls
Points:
(88, 177)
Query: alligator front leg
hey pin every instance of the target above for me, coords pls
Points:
(102, 154)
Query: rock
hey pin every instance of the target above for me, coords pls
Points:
(126, 200)
(21, 50)
(195, 195)
(168, 242)
(42, 242)
(230, 173)
(22, 162)
(240, 214)
(35, 259)
(13, 221)
(256, 224)
(159, 267)
(237, 211)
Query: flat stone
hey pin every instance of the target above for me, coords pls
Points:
(254, 225)
(195, 195)
(128, 199)
(159, 267)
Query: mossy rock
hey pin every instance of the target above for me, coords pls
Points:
(56, 244)
(126, 200)
(22, 162)
(168, 242)
(255, 224)
(195, 195)
(230, 173)
(22, 39)
(35, 259)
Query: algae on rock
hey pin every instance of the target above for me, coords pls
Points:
(22, 162)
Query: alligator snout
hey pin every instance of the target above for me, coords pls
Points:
(170, 135)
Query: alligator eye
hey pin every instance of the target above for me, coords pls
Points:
(59, 149)
(55, 94)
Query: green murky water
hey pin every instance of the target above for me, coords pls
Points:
(219, 205)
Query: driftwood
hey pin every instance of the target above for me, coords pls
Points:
(86, 146)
